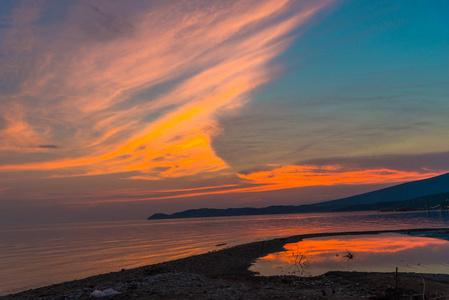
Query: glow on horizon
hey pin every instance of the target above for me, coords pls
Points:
(287, 177)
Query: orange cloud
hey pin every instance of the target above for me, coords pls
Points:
(17, 134)
(308, 175)
(95, 98)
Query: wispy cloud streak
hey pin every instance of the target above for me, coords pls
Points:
(122, 90)
(280, 178)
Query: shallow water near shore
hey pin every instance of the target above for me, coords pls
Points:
(34, 256)
(419, 252)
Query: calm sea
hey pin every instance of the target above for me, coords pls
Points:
(35, 256)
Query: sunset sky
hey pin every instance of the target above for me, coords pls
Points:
(114, 110)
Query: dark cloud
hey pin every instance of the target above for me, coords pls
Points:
(49, 146)
(161, 169)
(258, 169)
(141, 148)
(405, 162)
(101, 25)
(3, 123)
(162, 158)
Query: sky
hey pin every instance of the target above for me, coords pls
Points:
(115, 110)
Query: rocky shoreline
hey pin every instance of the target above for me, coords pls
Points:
(224, 274)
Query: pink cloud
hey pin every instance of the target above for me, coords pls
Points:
(89, 88)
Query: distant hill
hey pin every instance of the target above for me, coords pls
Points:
(246, 211)
(405, 191)
(414, 191)
(427, 202)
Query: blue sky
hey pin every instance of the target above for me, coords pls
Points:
(369, 72)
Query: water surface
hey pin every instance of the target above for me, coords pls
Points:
(383, 252)
(34, 256)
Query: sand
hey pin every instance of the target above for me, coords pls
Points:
(224, 274)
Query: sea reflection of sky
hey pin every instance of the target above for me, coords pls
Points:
(421, 252)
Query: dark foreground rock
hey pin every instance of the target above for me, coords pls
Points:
(333, 285)
(224, 274)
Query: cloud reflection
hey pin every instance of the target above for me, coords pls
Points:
(380, 252)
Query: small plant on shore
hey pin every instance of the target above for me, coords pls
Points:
(300, 262)
(349, 255)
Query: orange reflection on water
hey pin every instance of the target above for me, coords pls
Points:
(327, 248)
(380, 253)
